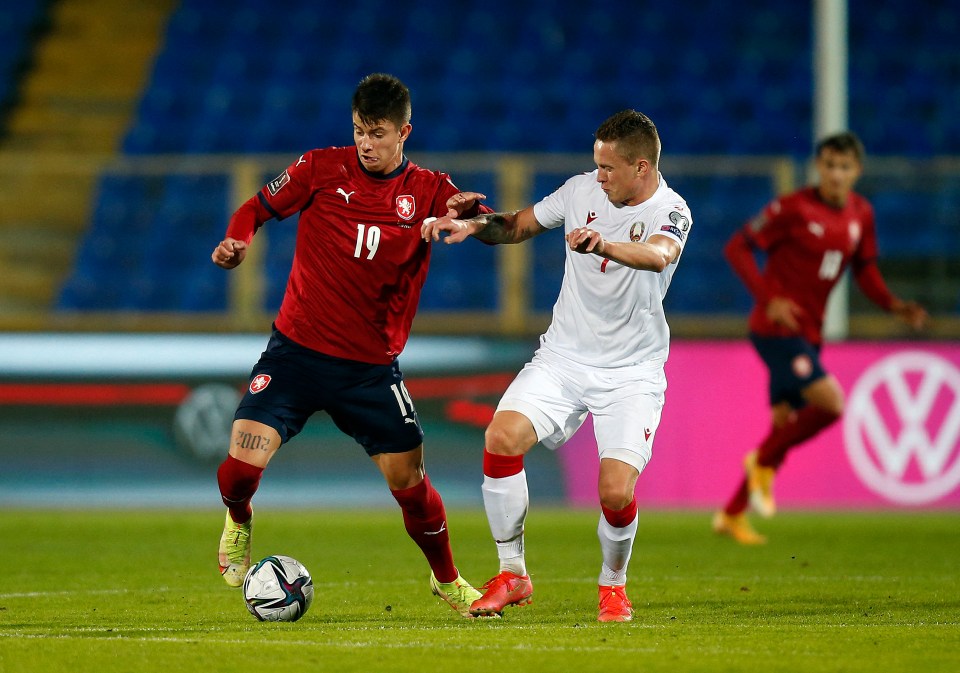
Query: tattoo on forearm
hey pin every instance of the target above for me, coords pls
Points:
(248, 440)
(498, 228)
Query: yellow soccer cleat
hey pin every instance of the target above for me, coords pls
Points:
(459, 594)
(760, 486)
(234, 556)
(738, 527)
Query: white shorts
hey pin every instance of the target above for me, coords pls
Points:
(556, 395)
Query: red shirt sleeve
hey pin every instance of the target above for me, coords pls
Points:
(865, 269)
(740, 255)
(871, 283)
(247, 219)
(281, 197)
(761, 233)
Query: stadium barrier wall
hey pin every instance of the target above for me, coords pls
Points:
(96, 416)
(897, 445)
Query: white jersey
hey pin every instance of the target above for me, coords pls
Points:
(607, 314)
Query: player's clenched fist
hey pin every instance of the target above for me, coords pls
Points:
(229, 253)
(585, 240)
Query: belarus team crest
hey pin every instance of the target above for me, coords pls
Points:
(260, 381)
(406, 207)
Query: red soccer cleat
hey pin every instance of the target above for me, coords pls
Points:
(614, 605)
(500, 591)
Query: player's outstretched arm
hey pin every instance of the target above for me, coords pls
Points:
(229, 253)
(911, 313)
(514, 227)
(875, 288)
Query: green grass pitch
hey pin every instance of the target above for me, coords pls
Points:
(138, 591)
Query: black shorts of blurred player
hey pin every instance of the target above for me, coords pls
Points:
(368, 402)
(793, 364)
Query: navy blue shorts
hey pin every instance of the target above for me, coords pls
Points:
(793, 363)
(366, 401)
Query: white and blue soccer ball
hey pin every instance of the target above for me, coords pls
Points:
(278, 589)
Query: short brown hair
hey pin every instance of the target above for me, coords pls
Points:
(635, 134)
(381, 97)
(843, 142)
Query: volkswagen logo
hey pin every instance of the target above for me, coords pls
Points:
(902, 427)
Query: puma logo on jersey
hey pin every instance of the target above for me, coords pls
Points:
(301, 160)
(408, 420)
(346, 196)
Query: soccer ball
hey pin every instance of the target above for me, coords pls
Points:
(278, 589)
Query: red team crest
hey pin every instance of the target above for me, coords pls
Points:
(260, 381)
(406, 207)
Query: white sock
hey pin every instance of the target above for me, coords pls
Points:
(616, 545)
(506, 501)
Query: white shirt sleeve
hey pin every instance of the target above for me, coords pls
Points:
(551, 211)
(673, 221)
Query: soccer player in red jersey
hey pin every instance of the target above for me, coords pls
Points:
(809, 237)
(358, 269)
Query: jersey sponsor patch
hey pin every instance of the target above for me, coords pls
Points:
(670, 229)
(277, 183)
(260, 381)
(406, 207)
(680, 221)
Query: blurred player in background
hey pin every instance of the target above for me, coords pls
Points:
(603, 353)
(358, 269)
(809, 237)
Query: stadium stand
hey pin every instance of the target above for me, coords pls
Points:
(19, 22)
(725, 83)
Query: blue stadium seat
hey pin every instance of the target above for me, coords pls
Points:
(266, 78)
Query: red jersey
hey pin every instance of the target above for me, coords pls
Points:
(359, 263)
(808, 245)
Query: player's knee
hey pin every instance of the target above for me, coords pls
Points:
(503, 439)
(831, 405)
(615, 492)
(826, 395)
(614, 498)
(833, 410)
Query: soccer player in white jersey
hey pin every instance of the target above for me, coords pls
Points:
(603, 353)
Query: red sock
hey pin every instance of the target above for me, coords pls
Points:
(808, 422)
(738, 502)
(498, 466)
(426, 522)
(621, 518)
(238, 482)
